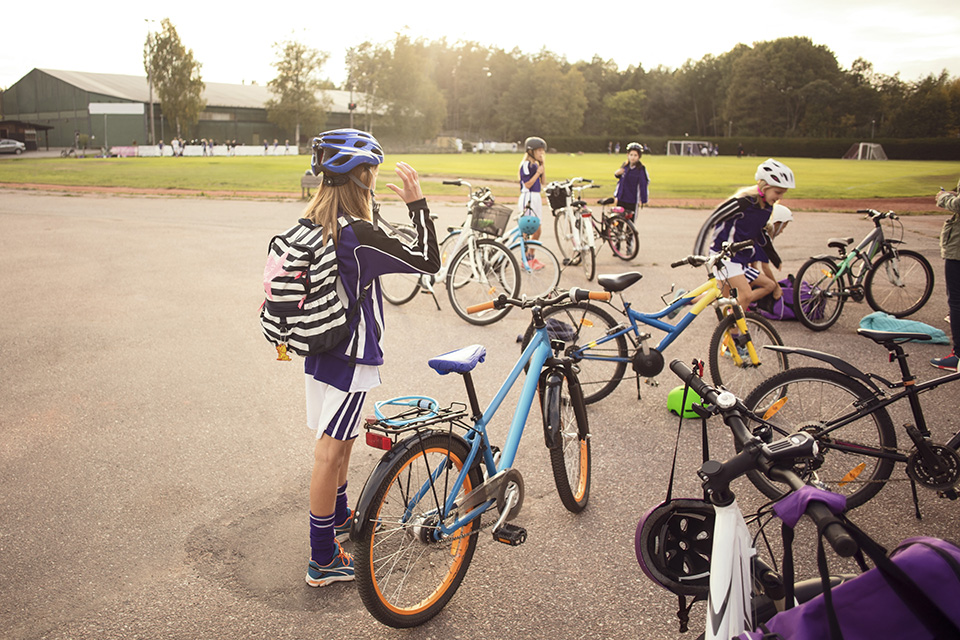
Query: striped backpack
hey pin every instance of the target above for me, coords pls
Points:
(302, 311)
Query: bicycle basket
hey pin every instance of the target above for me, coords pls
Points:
(490, 218)
(558, 196)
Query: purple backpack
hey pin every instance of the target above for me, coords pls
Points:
(918, 598)
(783, 308)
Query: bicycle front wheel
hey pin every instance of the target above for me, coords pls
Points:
(812, 399)
(900, 283)
(566, 235)
(481, 272)
(566, 415)
(730, 363)
(406, 570)
(818, 294)
(623, 238)
(579, 326)
(540, 278)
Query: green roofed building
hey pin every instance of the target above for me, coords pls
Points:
(61, 99)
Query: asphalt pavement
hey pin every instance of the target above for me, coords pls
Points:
(154, 461)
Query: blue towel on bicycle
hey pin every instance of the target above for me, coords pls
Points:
(880, 321)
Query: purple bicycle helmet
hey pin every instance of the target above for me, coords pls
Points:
(341, 150)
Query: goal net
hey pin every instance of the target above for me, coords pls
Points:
(865, 151)
(687, 148)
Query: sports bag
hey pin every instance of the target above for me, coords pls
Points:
(302, 312)
(782, 309)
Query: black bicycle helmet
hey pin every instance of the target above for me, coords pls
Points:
(635, 146)
(673, 544)
(533, 142)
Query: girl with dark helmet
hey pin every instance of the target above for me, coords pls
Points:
(531, 181)
(337, 380)
(633, 180)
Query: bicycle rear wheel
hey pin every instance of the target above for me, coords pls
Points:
(743, 377)
(535, 283)
(900, 283)
(818, 294)
(565, 414)
(481, 272)
(565, 233)
(579, 326)
(812, 399)
(622, 237)
(406, 572)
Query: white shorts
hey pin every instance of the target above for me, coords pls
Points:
(332, 411)
(730, 269)
(531, 198)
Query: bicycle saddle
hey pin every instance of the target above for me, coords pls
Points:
(463, 360)
(606, 201)
(893, 336)
(619, 282)
(839, 243)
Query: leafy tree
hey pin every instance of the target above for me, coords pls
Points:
(296, 87)
(925, 112)
(367, 63)
(415, 106)
(623, 112)
(176, 76)
(543, 100)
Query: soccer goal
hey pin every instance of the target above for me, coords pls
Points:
(687, 148)
(865, 151)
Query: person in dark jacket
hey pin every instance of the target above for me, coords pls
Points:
(950, 252)
(338, 380)
(633, 181)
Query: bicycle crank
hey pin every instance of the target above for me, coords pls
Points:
(944, 475)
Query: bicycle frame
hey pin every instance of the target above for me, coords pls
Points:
(874, 240)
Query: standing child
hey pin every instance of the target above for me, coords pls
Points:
(743, 217)
(337, 380)
(531, 181)
(632, 182)
(950, 252)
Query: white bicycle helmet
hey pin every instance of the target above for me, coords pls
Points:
(775, 174)
(779, 218)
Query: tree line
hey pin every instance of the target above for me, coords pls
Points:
(415, 89)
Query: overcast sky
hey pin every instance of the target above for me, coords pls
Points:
(234, 43)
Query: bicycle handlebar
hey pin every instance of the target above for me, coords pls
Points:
(873, 214)
(727, 249)
(756, 455)
(575, 294)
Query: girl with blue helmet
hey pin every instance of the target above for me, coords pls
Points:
(744, 217)
(338, 380)
(531, 182)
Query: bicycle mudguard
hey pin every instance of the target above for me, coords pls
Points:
(842, 366)
(361, 512)
(550, 383)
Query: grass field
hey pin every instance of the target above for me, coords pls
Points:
(672, 176)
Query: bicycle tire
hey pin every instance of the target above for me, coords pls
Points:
(903, 299)
(403, 578)
(570, 461)
(578, 325)
(537, 283)
(400, 288)
(565, 235)
(486, 270)
(812, 398)
(818, 294)
(622, 237)
(588, 262)
(743, 378)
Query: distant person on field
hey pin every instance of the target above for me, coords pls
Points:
(531, 182)
(950, 252)
(632, 181)
(744, 217)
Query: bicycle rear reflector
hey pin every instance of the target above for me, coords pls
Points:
(776, 406)
(852, 475)
(378, 441)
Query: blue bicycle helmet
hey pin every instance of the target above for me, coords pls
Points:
(528, 224)
(341, 150)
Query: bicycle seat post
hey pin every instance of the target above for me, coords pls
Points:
(472, 396)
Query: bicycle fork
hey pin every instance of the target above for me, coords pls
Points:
(742, 340)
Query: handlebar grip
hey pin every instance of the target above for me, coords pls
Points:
(483, 306)
(696, 383)
(579, 295)
(455, 183)
(737, 247)
(834, 532)
(674, 265)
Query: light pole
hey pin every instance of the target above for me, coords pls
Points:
(150, 44)
(873, 124)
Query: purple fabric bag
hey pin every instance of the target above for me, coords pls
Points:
(867, 608)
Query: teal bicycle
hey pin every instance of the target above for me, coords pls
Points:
(418, 518)
(893, 280)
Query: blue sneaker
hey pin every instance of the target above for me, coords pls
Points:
(339, 570)
(342, 531)
(948, 363)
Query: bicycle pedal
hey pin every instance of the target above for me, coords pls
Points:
(510, 534)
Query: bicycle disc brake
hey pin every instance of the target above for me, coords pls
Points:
(945, 477)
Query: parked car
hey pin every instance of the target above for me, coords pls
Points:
(12, 146)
